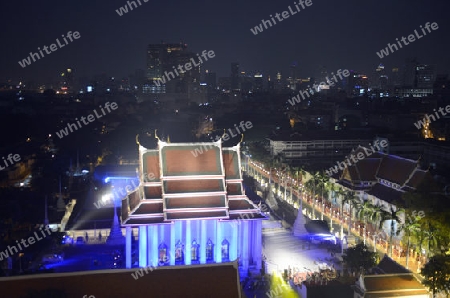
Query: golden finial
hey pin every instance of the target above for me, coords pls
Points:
(137, 140)
(242, 138)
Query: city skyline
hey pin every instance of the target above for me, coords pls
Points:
(116, 45)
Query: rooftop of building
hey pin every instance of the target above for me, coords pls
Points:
(320, 135)
(189, 181)
(213, 280)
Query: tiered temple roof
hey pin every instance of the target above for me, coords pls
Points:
(182, 181)
(384, 176)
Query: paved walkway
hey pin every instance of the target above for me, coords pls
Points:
(283, 250)
(381, 245)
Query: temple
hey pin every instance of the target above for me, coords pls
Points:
(190, 208)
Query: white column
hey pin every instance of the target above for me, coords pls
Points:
(142, 246)
(150, 241)
(203, 243)
(245, 245)
(218, 250)
(258, 248)
(128, 234)
(187, 257)
(171, 248)
(234, 241)
(154, 243)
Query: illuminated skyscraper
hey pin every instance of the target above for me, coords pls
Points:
(164, 58)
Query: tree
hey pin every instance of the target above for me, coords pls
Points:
(411, 225)
(351, 199)
(311, 184)
(376, 218)
(341, 194)
(393, 216)
(316, 181)
(436, 274)
(366, 210)
(332, 193)
(431, 235)
(322, 180)
(359, 256)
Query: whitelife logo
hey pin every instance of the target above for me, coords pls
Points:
(355, 158)
(187, 66)
(108, 106)
(423, 123)
(31, 240)
(198, 151)
(296, 99)
(121, 193)
(124, 9)
(71, 36)
(284, 15)
(10, 158)
(411, 38)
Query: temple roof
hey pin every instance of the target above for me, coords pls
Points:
(391, 285)
(389, 266)
(396, 169)
(211, 280)
(181, 181)
(386, 193)
(382, 175)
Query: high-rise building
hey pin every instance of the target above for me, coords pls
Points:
(358, 84)
(235, 79)
(395, 77)
(278, 82)
(425, 76)
(409, 72)
(66, 80)
(163, 59)
(380, 79)
(210, 80)
(293, 77)
(258, 82)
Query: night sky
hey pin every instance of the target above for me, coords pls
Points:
(335, 34)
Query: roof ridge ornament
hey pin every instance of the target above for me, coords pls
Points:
(137, 140)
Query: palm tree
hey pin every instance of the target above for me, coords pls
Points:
(431, 234)
(316, 182)
(302, 173)
(376, 217)
(322, 180)
(332, 192)
(393, 216)
(311, 184)
(366, 211)
(411, 225)
(341, 194)
(351, 199)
